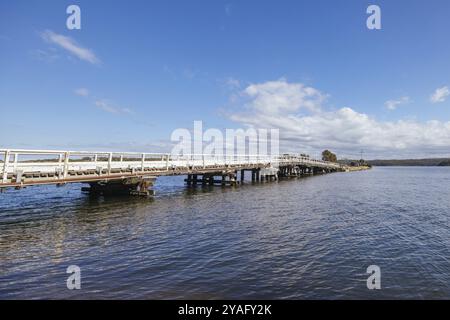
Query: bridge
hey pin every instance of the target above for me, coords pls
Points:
(134, 173)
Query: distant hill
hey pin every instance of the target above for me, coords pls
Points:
(412, 162)
(444, 163)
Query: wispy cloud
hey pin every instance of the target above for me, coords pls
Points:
(393, 104)
(103, 104)
(232, 83)
(228, 9)
(83, 92)
(108, 106)
(71, 46)
(49, 55)
(188, 73)
(440, 95)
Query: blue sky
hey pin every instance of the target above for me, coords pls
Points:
(137, 70)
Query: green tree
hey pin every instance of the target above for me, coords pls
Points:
(327, 155)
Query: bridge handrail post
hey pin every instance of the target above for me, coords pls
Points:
(16, 158)
(203, 160)
(66, 164)
(143, 162)
(110, 155)
(167, 162)
(5, 167)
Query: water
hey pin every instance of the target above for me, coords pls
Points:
(309, 238)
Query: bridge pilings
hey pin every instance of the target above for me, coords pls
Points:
(212, 178)
(136, 186)
(236, 177)
(142, 185)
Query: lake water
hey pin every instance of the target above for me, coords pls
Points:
(308, 238)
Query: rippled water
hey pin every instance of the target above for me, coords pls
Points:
(300, 238)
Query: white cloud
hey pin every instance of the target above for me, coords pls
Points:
(280, 96)
(107, 106)
(70, 45)
(83, 92)
(440, 95)
(275, 104)
(393, 104)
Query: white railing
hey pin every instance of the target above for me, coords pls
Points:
(61, 162)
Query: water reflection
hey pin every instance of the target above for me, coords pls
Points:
(302, 238)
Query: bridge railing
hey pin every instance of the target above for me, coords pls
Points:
(61, 162)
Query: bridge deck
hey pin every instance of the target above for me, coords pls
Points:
(34, 167)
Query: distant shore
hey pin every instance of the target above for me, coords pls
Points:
(436, 162)
(358, 168)
(430, 162)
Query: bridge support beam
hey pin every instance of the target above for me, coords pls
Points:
(224, 179)
(136, 186)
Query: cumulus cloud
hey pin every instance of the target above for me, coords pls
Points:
(276, 104)
(393, 104)
(70, 46)
(279, 96)
(440, 95)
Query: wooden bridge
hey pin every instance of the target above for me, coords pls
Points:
(134, 173)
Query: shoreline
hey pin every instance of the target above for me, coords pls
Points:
(358, 168)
